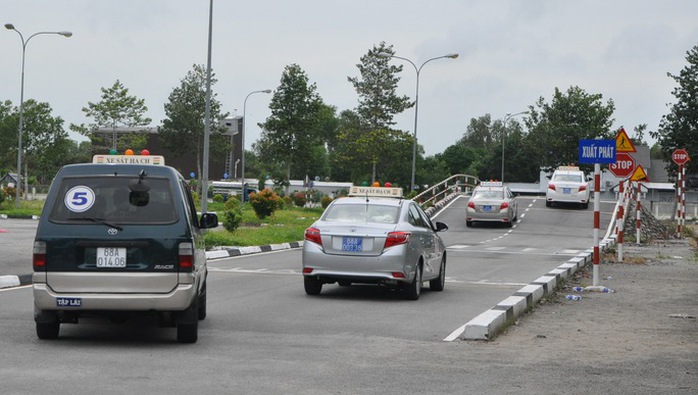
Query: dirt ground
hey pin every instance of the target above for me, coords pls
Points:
(641, 339)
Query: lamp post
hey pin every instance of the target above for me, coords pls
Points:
(504, 131)
(10, 26)
(244, 126)
(416, 102)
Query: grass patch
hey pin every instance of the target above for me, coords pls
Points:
(284, 226)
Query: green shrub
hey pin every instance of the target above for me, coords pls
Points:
(232, 219)
(265, 202)
(288, 201)
(233, 203)
(299, 199)
(9, 193)
(195, 196)
(325, 201)
(218, 198)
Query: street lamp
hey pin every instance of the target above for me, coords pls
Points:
(416, 102)
(504, 131)
(244, 124)
(10, 26)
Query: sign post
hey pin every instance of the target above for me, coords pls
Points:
(680, 157)
(622, 168)
(597, 152)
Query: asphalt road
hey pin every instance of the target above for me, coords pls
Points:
(264, 335)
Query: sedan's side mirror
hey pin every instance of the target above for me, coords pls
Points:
(441, 227)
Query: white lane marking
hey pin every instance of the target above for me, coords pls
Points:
(15, 288)
(255, 271)
(455, 334)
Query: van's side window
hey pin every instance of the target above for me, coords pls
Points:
(190, 206)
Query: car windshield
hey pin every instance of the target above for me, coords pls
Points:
(488, 193)
(362, 213)
(114, 200)
(568, 177)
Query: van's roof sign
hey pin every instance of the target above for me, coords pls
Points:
(130, 159)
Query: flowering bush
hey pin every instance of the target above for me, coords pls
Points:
(299, 199)
(265, 202)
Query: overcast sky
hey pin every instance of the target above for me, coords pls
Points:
(511, 53)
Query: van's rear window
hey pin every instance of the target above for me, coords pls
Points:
(116, 199)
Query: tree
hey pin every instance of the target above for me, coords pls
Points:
(293, 131)
(378, 102)
(556, 128)
(182, 131)
(679, 128)
(45, 147)
(116, 109)
(369, 138)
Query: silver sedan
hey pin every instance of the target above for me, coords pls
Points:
(492, 202)
(374, 240)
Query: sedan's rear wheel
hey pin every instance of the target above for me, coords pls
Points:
(415, 287)
(438, 283)
(312, 286)
(47, 330)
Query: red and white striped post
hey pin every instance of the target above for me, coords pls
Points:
(597, 221)
(680, 208)
(638, 212)
(620, 219)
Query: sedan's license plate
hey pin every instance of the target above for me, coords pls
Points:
(111, 257)
(352, 244)
(566, 190)
(487, 208)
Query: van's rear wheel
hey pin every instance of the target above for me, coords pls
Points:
(47, 330)
(188, 324)
(202, 304)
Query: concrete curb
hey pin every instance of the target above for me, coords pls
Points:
(228, 252)
(488, 324)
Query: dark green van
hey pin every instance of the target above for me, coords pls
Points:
(117, 237)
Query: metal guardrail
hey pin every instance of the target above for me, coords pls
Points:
(445, 190)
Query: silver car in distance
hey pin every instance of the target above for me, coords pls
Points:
(374, 236)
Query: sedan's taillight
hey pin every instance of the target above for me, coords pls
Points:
(504, 205)
(471, 205)
(582, 188)
(186, 255)
(39, 255)
(313, 235)
(397, 238)
(551, 186)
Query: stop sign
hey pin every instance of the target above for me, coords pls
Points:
(680, 156)
(624, 166)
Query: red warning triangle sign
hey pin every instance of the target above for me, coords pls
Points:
(639, 174)
(623, 143)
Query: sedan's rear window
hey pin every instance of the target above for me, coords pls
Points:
(115, 199)
(568, 177)
(362, 213)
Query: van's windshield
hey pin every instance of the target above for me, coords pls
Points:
(114, 200)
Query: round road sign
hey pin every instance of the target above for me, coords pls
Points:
(680, 156)
(624, 166)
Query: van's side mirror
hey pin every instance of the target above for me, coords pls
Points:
(208, 220)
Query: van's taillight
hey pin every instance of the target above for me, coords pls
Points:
(39, 255)
(186, 255)
(313, 235)
(396, 238)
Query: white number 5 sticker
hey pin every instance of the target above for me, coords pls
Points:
(79, 199)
